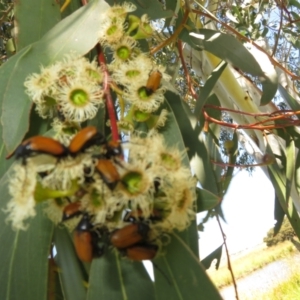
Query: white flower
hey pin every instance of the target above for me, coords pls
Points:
(79, 100)
(21, 187)
(39, 85)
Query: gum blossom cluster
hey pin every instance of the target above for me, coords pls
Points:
(152, 184)
(72, 90)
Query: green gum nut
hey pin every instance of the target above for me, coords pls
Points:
(142, 92)
(132, 73)
(123, 52)
(42, 193)
(133, 23)
(144, 31)
(169, 161)
(79, 97)
(141, 116)
(133, 182)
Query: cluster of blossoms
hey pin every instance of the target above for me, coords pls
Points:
(70, 89)
(150, 184)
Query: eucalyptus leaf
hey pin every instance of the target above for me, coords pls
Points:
(290, 166)
(206, 200)
(193, 141)
(293, 103)
(279, 182)
(73, 283)
(173, 138)
(153, 8)
(114, 277)
(216, 254)
(187, 279)
(278, 215)
(24, 254)
(297, 173)
(28, 14)
(294, 3)
(229, 49)
(208, 87)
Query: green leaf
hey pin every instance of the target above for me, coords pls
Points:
(5, 164)
(279, 182)
(269, 86)
(294, 3)
(189, 237)
(28, 14)
(232, 51)
(72, 276)
(290, 165)
(194, 144)
(174, 138)
(153, 8)
(294, 104)
(113, 277)
(171, 4)
(38, 125)
(278, 215)
(206, 200)
(185, 120)
(73, 5)
(228, 48)
(187, 279)
(208, 87)
(216, 254)
(172, 133)
(99, 120)
(72, 34)
(297, 173)
(24, 254)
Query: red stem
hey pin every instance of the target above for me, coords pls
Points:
(107, 94)
(109, 101)
(289, 122)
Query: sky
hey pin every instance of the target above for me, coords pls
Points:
(248, 207)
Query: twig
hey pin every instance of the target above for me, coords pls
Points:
(282, 5)
(274, 61)
(236, 166)
(289, 123)
(279, 30)
(286, 112)
(294, 21)
(176, 33)
(228, 258)
(186, 72)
